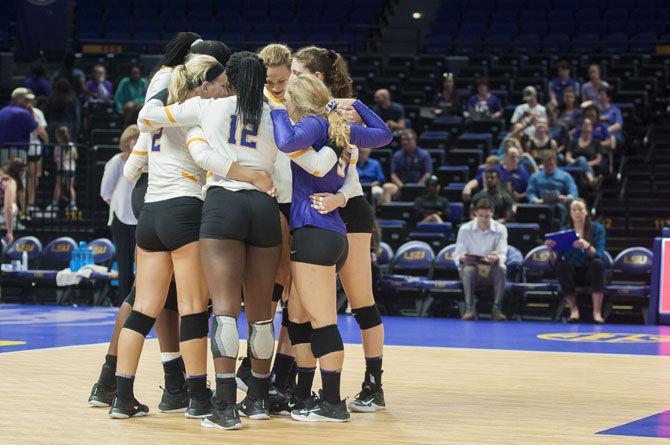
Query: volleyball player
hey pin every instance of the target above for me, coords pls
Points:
(240, 232)
(319, 245)
(277, 60)
(175, 394)
(358, 217)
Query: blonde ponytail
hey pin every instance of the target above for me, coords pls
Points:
(311, 97)
(187, 77)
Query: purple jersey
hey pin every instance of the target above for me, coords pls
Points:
(312, 131)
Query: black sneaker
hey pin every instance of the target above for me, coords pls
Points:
(101, 395)
(174, 401)
(199, 409)
(322, 411)
(243, 375)
(123, 410)
(226, 418)
(292, 403)
(276, 397)
(369, 400)
(254, 409)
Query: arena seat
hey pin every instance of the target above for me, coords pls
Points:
(435, 234)
(541, 214)
(410, 267)
(20, 279)
(448, 174)
(628, 291)
(537, 295)
(384, 256)
(470, 157)
(409, 192)
(525, 236)
(453, 191)
(393, 231)
(399, 210)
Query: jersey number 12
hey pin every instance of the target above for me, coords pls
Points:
(246, 132)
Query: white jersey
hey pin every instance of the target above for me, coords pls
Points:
(250, 147)
(283, 178)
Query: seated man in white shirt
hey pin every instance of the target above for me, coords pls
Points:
(530, 112)
(481, 253)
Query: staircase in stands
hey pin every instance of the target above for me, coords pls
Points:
(635, 208)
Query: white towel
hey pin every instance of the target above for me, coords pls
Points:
(68, 278)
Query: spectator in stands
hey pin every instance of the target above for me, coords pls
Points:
(541, 143)
(391, 112)
(16, 124)
(484, 104)
(116, 190)
(513, 177)
(563, 81)
(370, 173)
(586, 153)
(74, 76)
(570, 112)
(8, 202)
(497, 195)
(431, 207)
(35, 155)
(99, 89)
(481, 253)
(409, 165)
(610, 115)
(16, 169)
(448, 101)
(530, 112)
(590, 89)
(552, 186)
(583, 264)
(558, 131)
(65, 159)
(600, 130)
(37, 82)
(129, 96)
(491, 161)
(63, 109)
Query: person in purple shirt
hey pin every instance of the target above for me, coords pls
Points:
(319, 242)
(370, 173)
(99, 89)
(484, 104)
(560, 83)
(409, 165)
(610, 115)
(38, 82)
(600, 130)
(16, 124)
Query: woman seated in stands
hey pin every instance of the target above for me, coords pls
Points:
(570, 112)
(585, 152)
(582, 265)
(448, 101)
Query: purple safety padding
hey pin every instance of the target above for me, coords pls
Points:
(103, 250)
(413, 255)
(60, 249)
(634, 260)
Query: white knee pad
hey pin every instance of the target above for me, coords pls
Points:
(225, 338)
(262, 339)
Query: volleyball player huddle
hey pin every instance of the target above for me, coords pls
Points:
(253, 193)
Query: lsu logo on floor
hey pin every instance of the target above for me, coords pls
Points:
(11, 343)
(605, 337)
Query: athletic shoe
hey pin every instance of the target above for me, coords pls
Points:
(226, 418)
(101, 395)
(254, 409)
(292, 403)
(497, 315)
(243, 375)
(174, 401)
(199, 409)
(123, 410)
(72, 207)
(369, 400)
(470, 314)
(276, 397)
(322, 411)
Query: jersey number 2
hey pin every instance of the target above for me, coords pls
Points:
(156, 140)
(246, 132)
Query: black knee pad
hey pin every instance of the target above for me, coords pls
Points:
(326, 340)
(367, 317)
(299, 333)
(284, 317)
(130, 299)
(277, 292)
(139, 323)
(171, 300)
(194, 326)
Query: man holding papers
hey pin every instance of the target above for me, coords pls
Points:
(481, 253)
